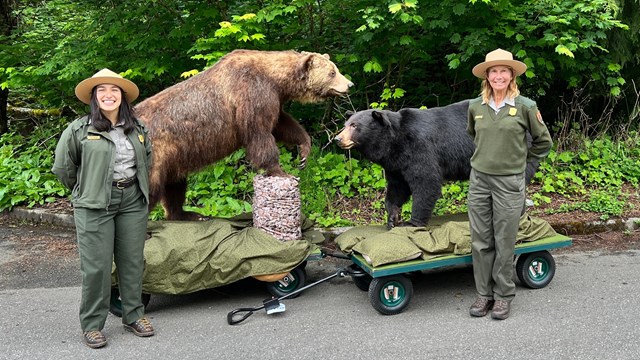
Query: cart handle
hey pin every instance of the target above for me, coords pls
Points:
(247, 312)
(232, 315)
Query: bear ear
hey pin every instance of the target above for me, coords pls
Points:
(381, 118)
(304, 65)
(349, 113)
(327, 56)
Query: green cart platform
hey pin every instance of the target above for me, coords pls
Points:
(390, 290)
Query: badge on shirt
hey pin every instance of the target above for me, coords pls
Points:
(93, 137)
(141, 138)
(513, 111)
(478, 117)
(539, 116)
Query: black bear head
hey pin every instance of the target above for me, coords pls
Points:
(371, 132)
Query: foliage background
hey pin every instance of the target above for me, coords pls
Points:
(582, 59)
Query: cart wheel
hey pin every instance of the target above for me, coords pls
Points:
(536, 270)
(390, 295)
(115, 303)
(360, 277)
(290, 283)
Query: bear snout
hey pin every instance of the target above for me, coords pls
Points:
(343, 140)
(341, 85)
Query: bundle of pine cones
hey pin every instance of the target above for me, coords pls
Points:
(276, 206)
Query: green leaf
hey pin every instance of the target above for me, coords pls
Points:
(406, 40)
(459, 9)
(615, 91)
(563, 50)
(372, 66)
(395, 7)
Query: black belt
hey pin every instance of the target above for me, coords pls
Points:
(124, 183)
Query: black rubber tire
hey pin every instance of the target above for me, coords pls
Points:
(115, 305)
(363, 282)
(294, 280)
(386, 303)
(535, 270)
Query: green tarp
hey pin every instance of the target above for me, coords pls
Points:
(380, 246)
(186, 256)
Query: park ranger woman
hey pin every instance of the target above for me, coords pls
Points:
(498, 121)
(104, 159)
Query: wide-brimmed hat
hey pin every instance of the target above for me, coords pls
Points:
(499, 57)
(106, 76)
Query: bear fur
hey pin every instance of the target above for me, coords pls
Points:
(419, 150)
(235, 103)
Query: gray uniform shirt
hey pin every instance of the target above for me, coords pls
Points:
(125, 166)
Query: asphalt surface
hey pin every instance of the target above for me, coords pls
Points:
(590, 310)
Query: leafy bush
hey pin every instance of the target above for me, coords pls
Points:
(226, 188)
(25, 170)
(335, 188)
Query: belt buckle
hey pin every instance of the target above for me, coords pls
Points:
(119, 186)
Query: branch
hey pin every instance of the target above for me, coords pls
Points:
(34, 112)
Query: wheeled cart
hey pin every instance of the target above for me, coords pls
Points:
(390, 290)
(285, 286)
(183, 257)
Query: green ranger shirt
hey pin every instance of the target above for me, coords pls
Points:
(85, 160)
(500, 138)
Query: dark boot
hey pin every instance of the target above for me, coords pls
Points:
(141, 327)
(501, 309)
(94, 339)
(480, 307)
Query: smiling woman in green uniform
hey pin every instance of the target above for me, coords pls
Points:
(104, 159)
(498, 121)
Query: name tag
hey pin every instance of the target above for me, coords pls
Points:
(478, 117)
(93, 137)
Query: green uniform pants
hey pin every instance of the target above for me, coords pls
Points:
(495, 203)
(104, 235)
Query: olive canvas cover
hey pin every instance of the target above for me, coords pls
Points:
(187, 256)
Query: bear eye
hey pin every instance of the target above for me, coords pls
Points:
(332, 73)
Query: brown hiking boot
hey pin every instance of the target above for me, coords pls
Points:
(94, 339)
(141, 327)
(480, 307)
(501, 309)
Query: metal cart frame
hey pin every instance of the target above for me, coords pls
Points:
(390, 291)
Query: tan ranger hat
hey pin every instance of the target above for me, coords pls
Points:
(499, 57)
(106, 76)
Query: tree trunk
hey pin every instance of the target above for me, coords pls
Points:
(7, 24)
(4, 119)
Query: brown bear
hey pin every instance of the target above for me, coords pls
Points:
(235, 103)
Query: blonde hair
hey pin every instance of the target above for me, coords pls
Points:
(486, 90)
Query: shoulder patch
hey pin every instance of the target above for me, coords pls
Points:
(539, 117)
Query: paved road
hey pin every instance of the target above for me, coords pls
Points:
(590, 310)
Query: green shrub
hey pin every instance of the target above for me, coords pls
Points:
(335, 189)
(25, 170)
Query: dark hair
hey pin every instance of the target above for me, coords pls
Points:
(126, 114)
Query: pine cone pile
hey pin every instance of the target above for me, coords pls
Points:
(276, 206)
